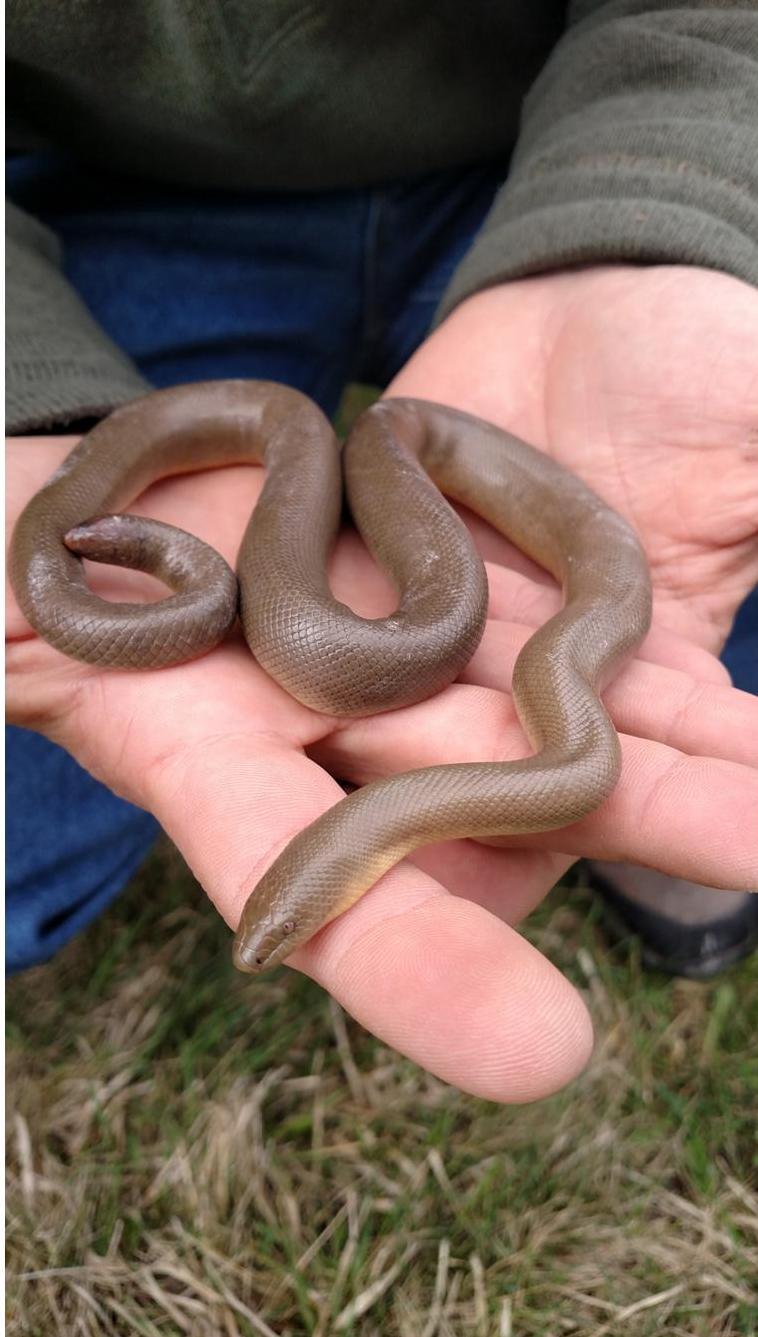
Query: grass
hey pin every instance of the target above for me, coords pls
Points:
(194, 1153)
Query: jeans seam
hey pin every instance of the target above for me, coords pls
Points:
(371, 320)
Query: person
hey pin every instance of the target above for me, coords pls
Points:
(322, 195)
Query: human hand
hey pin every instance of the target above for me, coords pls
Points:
(642, 381)
(228, 763)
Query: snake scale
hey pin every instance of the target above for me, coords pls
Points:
(399, 459)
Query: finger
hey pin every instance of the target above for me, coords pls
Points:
(452, 987)
(509, 883)
(516, 598)
(648, 699)
(690, 816)
(457, 990)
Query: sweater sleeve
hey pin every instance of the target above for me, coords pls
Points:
(60, 366)
(638, 143)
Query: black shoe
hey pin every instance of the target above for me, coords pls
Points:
(685, 929)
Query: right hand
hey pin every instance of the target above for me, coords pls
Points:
(229, 764)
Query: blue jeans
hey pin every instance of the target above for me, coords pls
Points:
(315, 291)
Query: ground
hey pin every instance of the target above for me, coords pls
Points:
(194, 1152)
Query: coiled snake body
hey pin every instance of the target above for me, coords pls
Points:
(321, 652)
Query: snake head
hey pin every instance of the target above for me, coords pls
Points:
(261, 945)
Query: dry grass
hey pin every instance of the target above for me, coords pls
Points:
(190, 1153)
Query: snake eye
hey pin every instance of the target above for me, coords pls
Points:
(288, 926)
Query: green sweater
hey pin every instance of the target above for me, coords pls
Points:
(632, 125)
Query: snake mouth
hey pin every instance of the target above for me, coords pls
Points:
(258, 951)
(245, 959)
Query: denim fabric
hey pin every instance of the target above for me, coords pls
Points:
(313, 290)
(741, 650)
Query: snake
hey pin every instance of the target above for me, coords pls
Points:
(404, 462)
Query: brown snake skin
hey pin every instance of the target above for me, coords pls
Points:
(321, 652)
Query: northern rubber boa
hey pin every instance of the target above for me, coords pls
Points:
(401, 455)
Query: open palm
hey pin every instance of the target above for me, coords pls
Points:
(645, 382)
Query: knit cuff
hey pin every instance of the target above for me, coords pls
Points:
(60, 366)
(638, 145)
